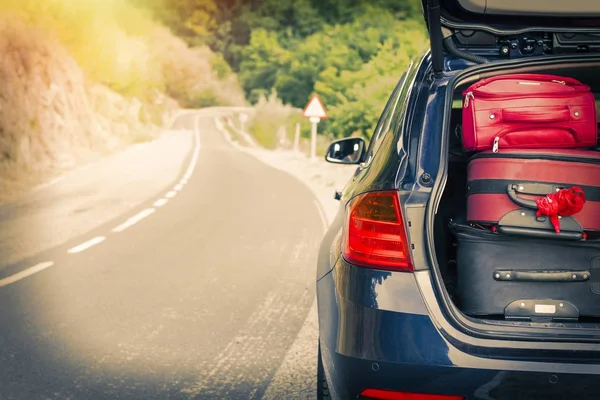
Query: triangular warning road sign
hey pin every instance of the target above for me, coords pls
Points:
(315, 108)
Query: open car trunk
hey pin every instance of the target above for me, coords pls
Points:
(452, 208)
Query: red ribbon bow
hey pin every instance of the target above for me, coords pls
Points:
(565, 202)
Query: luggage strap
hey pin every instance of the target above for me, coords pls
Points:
(498, 186)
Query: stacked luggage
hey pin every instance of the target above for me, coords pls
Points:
(529, 244)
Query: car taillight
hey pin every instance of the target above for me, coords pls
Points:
(374, 235)
(377, 394)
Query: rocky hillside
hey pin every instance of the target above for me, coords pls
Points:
(70, 93)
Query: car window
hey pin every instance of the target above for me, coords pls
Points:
(386, 121)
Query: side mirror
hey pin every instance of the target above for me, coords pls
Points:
(346, 151)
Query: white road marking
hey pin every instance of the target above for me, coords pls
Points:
(192, 166)
(25, 273)
(131, 221)
(134, 220)
(86, 245)
(160, 202)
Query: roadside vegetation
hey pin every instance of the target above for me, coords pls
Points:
(273, 125)
(84, 78)
(122, 47)
(350, 52)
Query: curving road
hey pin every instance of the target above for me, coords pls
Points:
(197, 291)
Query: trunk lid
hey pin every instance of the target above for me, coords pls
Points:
(505, 17)
(490, 30)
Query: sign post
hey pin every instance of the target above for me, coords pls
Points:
(243, 118)
(313, 137)
(297, 138)
(314, 111)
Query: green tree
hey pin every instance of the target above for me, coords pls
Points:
(263, 58)
(368, 89)
(350, 52)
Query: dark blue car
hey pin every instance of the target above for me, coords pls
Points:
(388, 323)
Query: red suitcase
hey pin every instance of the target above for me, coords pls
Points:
(502, 189)
(529, 111)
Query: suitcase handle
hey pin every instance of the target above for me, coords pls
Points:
(541, 114)
(541, 276)
(540, 189)
(531, 188)
(508, 131)
(536, 127)
(537, 188)
(512, 188)
(540, 234)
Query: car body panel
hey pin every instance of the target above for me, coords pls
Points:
(388, 330)
(366, 344)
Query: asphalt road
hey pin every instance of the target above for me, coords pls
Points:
(200, 290)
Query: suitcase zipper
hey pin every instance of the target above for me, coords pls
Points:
(467, 96)
(550, 157)
(519, 95)
(496, 144)
(576, 85)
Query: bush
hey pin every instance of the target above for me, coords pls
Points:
(189, 76)
(269, 116)
(120, 46)
(273, 125)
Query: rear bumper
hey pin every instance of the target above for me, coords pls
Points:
(349, 376)
(376, 332)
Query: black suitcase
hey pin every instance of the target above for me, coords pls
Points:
(525, 278)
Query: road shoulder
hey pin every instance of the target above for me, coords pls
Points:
(296, 376)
